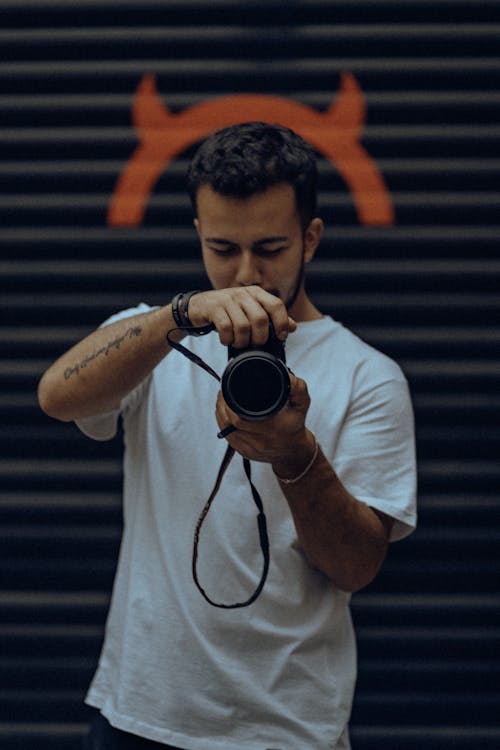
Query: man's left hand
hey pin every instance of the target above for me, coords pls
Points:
(279, 440)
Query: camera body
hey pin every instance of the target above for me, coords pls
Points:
(256, 382)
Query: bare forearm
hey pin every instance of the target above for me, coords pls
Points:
(339, 535)
(94, 375)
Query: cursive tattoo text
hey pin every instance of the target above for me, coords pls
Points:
(102, 352)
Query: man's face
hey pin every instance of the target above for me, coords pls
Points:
(256, 240)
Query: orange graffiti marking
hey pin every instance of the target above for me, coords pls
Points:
(334, 133)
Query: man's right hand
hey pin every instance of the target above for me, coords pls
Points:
(241, 315)
(96, 374)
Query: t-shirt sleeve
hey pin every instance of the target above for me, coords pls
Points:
(105, 426)
(377, 453)
(100, 426)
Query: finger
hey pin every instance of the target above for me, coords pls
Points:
(241, 323)
(299, 394)
(258, 319)
(274, 309)
(225, 416)
(277, 313)
(224, 310)
(249, 320)
(223, 322)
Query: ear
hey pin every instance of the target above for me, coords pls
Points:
(312, 238)
(197, 227)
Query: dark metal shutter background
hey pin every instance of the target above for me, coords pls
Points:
(425, 290)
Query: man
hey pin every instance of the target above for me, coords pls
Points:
(335, 469)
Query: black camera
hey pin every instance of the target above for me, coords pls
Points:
(256, 383)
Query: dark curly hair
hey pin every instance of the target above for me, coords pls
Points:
(248, 158)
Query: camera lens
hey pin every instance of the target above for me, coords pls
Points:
(256, 385)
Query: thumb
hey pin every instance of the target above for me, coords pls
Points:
(299, 395)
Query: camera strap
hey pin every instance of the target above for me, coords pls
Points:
(261, 517)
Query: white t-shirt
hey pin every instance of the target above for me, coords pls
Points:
(279, 674)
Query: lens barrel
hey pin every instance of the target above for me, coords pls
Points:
(256, 384)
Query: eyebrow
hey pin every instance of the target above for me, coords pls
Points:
(263, 241)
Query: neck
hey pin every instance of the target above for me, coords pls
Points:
(303, 310)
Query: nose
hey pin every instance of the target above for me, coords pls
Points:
(248, 272)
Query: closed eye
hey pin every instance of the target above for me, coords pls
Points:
(269, 246)
(224, 253)
(269, 250)
(222, 248)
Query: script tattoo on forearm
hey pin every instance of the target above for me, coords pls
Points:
(102, 352)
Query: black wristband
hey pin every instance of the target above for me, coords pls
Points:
(184, 307)
(175, 309)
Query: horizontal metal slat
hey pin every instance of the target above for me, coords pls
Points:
(454, 441)
(57, 607)
(459, 608)
(465, 410)
(454, 737)
(42, 735)
(399, 342)
(432, 674)
(429, 710)
(455, 509)
(396, 39)
(372, 268)
(22, 180)
(63, 706)
(333, 9)
(227, 75)
(174, 209)
(457, 244)
(398, 576)
(478, 405)
(454, 309)
(437, 341)
(66, 542)
(374, 709)
(28, 641)
(439, 376)
(50, 441)
(110, 135)
(446, 177)
(27, 474)
(114, 110)
(475, 383)
(421, 642)
(444, 434)
(431, 336)
(309, 64)
(49, 541)
(42, 509)
(310, 31)
(387, 676)
(58, 672)
(452, 609)
(163, 210)
(51, 576)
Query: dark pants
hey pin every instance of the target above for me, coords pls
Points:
(102, 736)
